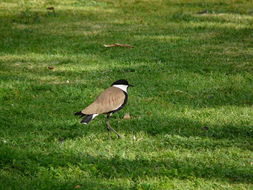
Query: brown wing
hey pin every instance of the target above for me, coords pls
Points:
(109, 100)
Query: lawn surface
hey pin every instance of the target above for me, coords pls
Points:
(191, 109)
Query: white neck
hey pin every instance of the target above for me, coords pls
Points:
(121, 86)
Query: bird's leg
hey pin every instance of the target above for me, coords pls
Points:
(108, 129)
(108, 126)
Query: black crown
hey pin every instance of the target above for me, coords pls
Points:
(121, 81)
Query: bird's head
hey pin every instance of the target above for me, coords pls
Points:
(122, 84)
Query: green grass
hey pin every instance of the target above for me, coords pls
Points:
(191, 123)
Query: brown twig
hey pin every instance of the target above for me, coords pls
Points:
(118, 45)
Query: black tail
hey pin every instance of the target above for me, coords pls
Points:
(80, 114)
(87, 119)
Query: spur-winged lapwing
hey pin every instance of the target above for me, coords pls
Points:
(108, 102)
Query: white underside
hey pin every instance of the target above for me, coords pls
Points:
(93, 116)
(121, 86)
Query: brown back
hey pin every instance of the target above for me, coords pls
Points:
(109, 100)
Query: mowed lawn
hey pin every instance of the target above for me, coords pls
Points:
(191, 109)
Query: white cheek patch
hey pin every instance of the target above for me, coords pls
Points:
(121, 86)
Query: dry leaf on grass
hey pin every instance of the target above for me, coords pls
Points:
(203, 12)
(50, 8)
(205, 128)
(118, 45)
(50, 67)
(77, 186)
(127, 116)
(149, 113)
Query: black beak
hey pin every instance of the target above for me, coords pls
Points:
(130, 85)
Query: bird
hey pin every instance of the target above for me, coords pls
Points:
(111, 100)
